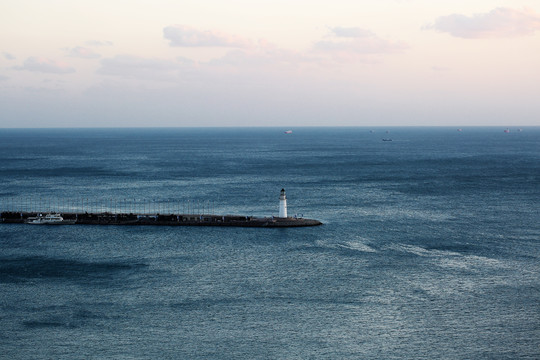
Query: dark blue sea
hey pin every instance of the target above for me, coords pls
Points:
(430, 247)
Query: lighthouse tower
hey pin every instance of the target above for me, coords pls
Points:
(282, 204)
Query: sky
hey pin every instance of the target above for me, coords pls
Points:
(197, 63)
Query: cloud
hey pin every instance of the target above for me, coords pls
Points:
(83, 53)
(134, 67)
(3, 78)
(263, 56)
(500, 22)
(440, 68)
(352, 32)
(185, 36)
(42, 90)
(8, 55)
(185, 61)
(98, 43)
(39, 64)
(356, 41)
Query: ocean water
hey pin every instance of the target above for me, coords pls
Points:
(430, 247)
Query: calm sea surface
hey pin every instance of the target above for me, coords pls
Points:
(430, 247)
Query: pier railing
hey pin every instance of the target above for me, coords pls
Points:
(106, 205)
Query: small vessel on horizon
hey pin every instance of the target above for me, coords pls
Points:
(288, 131)
(49, 219)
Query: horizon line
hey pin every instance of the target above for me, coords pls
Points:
(271, 127)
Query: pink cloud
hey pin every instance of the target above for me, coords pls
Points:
(500, 22)
(354, 41)
(361, 46)
(351, 32)
(84, 53)
(181, 35)
(39, 64)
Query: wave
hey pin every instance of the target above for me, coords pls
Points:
(45, 324)
(206, 303)
(38, 267)
(353, 245)
(450, 257)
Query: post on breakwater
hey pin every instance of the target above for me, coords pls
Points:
(124, 205)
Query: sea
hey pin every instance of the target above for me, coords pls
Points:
(430, 247)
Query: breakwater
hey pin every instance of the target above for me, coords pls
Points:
(107, 218)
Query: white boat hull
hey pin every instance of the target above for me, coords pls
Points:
(63, 222)
(50, 219)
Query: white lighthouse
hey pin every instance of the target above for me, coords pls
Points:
(282, 204)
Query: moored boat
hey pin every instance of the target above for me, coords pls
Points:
(49, 219)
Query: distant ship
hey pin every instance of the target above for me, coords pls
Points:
(507, 130)
(49, 219)
(460, 130)
(288, 132)
(386, 139)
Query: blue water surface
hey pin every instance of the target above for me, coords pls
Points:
(430, 245)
